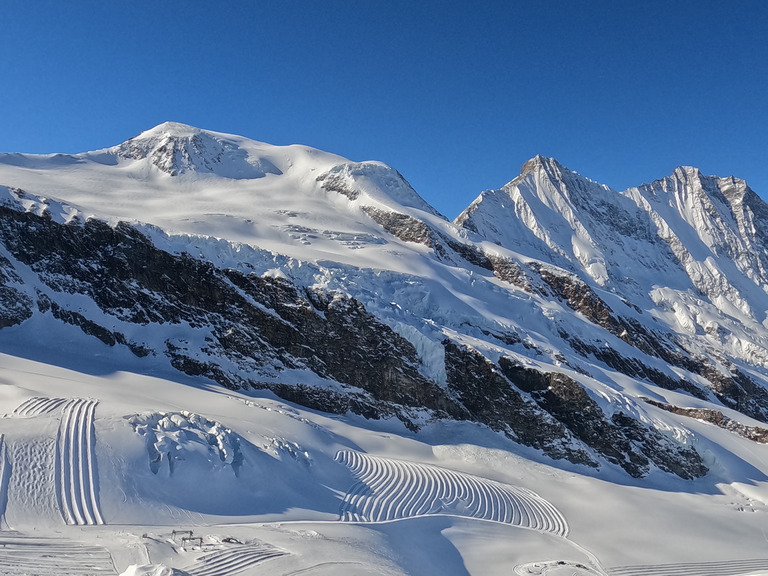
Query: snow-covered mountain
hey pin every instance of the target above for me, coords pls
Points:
(201, 330)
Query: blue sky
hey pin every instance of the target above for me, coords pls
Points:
(455, 95)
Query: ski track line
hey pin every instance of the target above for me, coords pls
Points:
(233, 560)
(39, 557)
(76, 465)
(388, 489)
(725, 568)
(38, 405)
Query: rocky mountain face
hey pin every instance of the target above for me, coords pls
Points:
(556, 311)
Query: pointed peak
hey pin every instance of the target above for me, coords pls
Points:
(540, 162)
(687, 172)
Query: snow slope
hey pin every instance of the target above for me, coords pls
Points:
(643, 310)
(185, 180)
(286, 509)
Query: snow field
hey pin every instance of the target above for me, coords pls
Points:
(727, 568)
(77, 479)
(52, 557)
(37, 406)
(390, 489)
(233, 560)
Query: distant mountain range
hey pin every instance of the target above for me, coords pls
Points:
(567, 316)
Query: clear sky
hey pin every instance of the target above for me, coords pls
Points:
(455, 95)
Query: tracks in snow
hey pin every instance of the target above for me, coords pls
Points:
(76, 477)
(233, 560)
(49, 557)
(726, 568)
(4, 475)
(37, 406)
(391, 490)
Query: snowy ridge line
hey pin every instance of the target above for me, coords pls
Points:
(725, 568)
(233, 560)
(76, 477)
(42, 557)
(392, 489)
(38, 405)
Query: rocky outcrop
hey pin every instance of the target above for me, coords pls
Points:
(402, 226)
(633, 367)
(737, 390)
(621, 439)
(15, 305)
(716, 417)
(489, 398)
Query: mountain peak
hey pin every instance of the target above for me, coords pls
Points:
(176, 149)
(540, 162)
(687, 172)
(171, 130)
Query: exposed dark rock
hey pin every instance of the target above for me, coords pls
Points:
(737, 391)
(345, 343)
(716, 417)
(510, 271)
(507, 337)
(489, 398)
(580, 297)
(665, 453)
(409, 229)
(337, 182)
(15, 307)
(471, 254)
(402, 226)
(621, 440)
(633, 367)
(108, 337)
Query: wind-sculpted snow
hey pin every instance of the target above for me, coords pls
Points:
(233, 560)
(392, 490)
(725, 568)
(21, 556)
(38, 405)
(77, 477)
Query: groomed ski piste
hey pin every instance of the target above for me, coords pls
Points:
(76, 464)
(29, 555)
(37, 406)
(728, 568)
(392, 490)
(233, 560)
